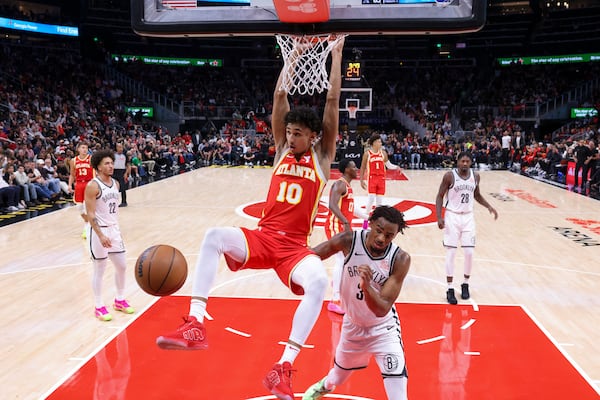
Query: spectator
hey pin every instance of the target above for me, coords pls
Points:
(29, 189)
(9, 196)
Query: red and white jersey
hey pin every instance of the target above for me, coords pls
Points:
(375, 163)
(293, 198)
(83, 169)
(334, 225)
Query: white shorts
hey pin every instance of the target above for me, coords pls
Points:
(383, 342)
(100, 252)
(459, 229)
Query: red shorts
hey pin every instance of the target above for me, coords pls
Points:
(270, 249)
(376, 185)
(79, 195)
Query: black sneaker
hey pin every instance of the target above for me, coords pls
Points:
(464, 288)
(450, 296)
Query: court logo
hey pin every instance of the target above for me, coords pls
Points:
(576, 236)
(390, 363)
(415, 212)
(501, 197)
(528, 197)
(589, 224)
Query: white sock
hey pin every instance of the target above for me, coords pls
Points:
(120, 262)
(99, 266)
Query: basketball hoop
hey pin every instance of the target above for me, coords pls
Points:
(352, 111)
(305, 57)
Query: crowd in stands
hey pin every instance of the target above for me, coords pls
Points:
(43, 115)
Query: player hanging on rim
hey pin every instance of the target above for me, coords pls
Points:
(301, 168)
(339, 219)
(81, 172)
(372, 169)
(374, 270)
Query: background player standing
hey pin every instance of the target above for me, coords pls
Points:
(372, 277)
(372, 169)
(104, 238)
(339, 219)
(460, 187)
(300, 171)
(81, 172)
(122, 172)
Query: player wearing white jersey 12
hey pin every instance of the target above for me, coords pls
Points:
(373, 273)
(460, 187)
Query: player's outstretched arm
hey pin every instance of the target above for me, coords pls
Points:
(439, 199)
(362, 173)
(340, 242)
(281, 107)
(331, 114)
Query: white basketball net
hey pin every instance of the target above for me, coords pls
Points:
(305, 57)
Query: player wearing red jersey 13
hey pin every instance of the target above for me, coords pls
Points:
(81, 172)
(339, 219)
(372, 170)
(301, 168)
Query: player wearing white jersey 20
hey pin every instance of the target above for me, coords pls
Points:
(373, 273)
(460, 187)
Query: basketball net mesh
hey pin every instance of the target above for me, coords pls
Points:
(352, 111)
(305, 57)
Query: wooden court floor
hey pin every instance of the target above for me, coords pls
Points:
(542, 253)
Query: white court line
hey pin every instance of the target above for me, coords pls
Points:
(330, 396)
(82, 360)
(468, 324)
(435, 339)
(514, 263)
(472, 353)
(475, 305)
(238, 332)
(304, 346)
(558, 347)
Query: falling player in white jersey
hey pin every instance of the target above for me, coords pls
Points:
(374, 270)
(461, 189)
(102, 198)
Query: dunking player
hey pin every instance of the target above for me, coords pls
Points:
(102, 199)
(300, 172)
(373, 273)
(372, 169)
(461, 188)
(339, 219)
(81, 172)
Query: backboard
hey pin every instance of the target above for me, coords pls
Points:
(197, 18)
(357, 97)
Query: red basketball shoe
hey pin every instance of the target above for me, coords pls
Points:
(279, 381)
(191, 335)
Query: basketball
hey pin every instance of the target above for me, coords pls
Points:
(161, 270)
